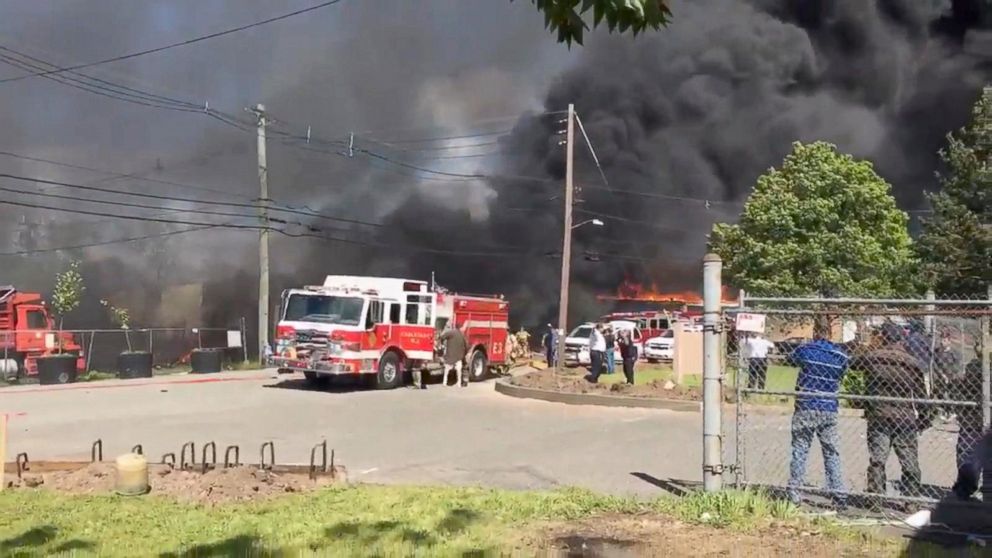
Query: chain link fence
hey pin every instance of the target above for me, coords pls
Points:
(880, 399)
(170, 346)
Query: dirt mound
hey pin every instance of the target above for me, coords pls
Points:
(236, 484)
(571, 382)
(653, 535)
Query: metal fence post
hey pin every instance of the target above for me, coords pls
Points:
(739, 473)
(986, 387)
(712, 392)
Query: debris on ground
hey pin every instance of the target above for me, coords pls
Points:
(220, 485)
(572, 382)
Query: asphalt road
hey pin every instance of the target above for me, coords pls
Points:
(442, 435)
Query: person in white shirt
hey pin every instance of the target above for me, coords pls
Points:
(597, 352)
(756, 350)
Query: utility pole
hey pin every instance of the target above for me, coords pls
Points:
(263, 237)
(712, 376)
(566, 250)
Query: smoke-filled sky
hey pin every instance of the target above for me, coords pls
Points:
(689, 116)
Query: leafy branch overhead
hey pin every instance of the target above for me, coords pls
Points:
(566, 16)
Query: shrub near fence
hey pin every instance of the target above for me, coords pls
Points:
(915, 394)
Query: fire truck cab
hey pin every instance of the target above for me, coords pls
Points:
(381, 328)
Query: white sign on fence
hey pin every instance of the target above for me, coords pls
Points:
(754, 323)
(234, 338)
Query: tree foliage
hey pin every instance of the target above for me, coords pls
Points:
(822, 224)
(122, 318)
(956, 245)
(566, 16)
(68, 292)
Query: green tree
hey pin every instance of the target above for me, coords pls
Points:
(956, 244)
(822, 224)
(566, 16)
(122, 318)
(67, 295)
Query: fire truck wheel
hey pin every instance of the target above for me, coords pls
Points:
(390, 372)
(477, 369)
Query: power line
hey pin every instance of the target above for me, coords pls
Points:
(106, 243)
(154, 207)
(410, 248)
(443, 138)
(98, 86)
(184, 200)
(119, 175)
(627, 220)
(178, 44)
(591, 150)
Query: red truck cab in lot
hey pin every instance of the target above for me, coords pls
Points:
(381, 328)
(27, 331)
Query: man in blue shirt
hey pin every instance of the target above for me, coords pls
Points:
(822, 366)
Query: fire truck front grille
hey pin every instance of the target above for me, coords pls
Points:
(311, 338)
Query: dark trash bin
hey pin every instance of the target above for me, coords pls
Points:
(134, 364)
(57, 369)
(206, 361)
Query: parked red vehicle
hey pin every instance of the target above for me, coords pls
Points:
(652, 323)
(27, 331)
(381, 328)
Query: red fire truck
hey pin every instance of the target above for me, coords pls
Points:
(27, 332)
(382, 328)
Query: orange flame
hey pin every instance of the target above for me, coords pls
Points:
(632, 290)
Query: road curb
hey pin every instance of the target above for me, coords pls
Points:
(504, 386)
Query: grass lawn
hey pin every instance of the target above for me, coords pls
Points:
(643, 374)
(359, 521)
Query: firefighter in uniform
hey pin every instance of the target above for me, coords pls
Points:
(523, 343)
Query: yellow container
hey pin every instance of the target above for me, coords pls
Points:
(132, 475)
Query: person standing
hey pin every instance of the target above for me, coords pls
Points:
(551, 346)
(455, 350)
(597, 351)
(969, 388)
(628, 352)
(822, 366)
(610, 337)
(891, 371)
(756, 350)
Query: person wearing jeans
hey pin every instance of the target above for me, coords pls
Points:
(891, 373)
(628, 351)
(597, 353)
(822, 366)
(610, 337)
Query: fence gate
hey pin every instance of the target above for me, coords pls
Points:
(894, 395)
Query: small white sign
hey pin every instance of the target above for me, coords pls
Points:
(234, 338)
(49, 341)
(754, 323)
